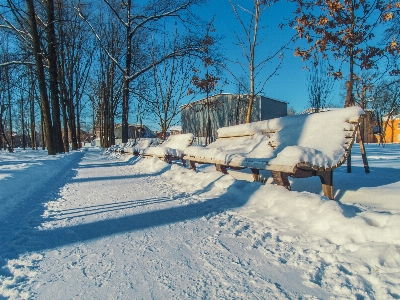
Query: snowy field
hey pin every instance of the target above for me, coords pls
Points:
(90, 226)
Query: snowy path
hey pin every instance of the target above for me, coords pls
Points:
(89, 226)
(116, 233)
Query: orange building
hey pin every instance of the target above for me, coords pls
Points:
(391, 128)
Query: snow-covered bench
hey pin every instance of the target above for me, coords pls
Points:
(171, 149)
(141, 146)
(125, 148)
(114, 148)
(297, 146)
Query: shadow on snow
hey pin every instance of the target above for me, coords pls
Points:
(21, 233)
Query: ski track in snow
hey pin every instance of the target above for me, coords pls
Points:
(105, 229)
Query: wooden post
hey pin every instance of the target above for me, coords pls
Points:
(327, 183)
(256, 174)
(192, 165)
(221, 168)
(362, 149)
(281, 178)
(349, 162)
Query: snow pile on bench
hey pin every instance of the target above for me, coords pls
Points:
(318, 139)
(142, 145)
(173, 146)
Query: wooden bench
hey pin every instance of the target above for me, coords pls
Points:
(297, 146)
(171, 149)
(141, 146)
(125, 148)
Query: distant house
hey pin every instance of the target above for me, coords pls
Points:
(226, 110)
(136, 131)
(390, 130)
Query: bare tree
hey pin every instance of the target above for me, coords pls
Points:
(208, 84)
(52, 49)
(242, 100)
(106, 82)
(76, 49)
(136, 20)
(291, 111)
(249, 44)
(3, 135)
(169, 86)
(40, 73)
(320, 86)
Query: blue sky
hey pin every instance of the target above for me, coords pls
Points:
(290, 83)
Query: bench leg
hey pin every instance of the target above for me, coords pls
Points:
(281, 178)
(221, 168)
(362, 149)
(256, 174)
(184, 162)
(327, 183)
(192, 165)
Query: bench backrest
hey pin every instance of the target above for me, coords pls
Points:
(321, 139)
(143, 143)
(178, 141)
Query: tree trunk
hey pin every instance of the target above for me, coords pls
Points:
(9, 109)
(23, 123)
(65, 125)
(125, 105)
(9, 148)
(111, 114)
(252, 61)
(72, 123)
(45, 105)
(42, 131)
(32, 113)
(53, 72)
(106, 116)
(350, 83)
(78, 123)
(128, 61)
(33, 124)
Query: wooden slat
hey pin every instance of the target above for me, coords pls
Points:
(234, 136)
(280, 168)
(264, 132)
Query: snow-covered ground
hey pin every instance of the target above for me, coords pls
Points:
(90, 226)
